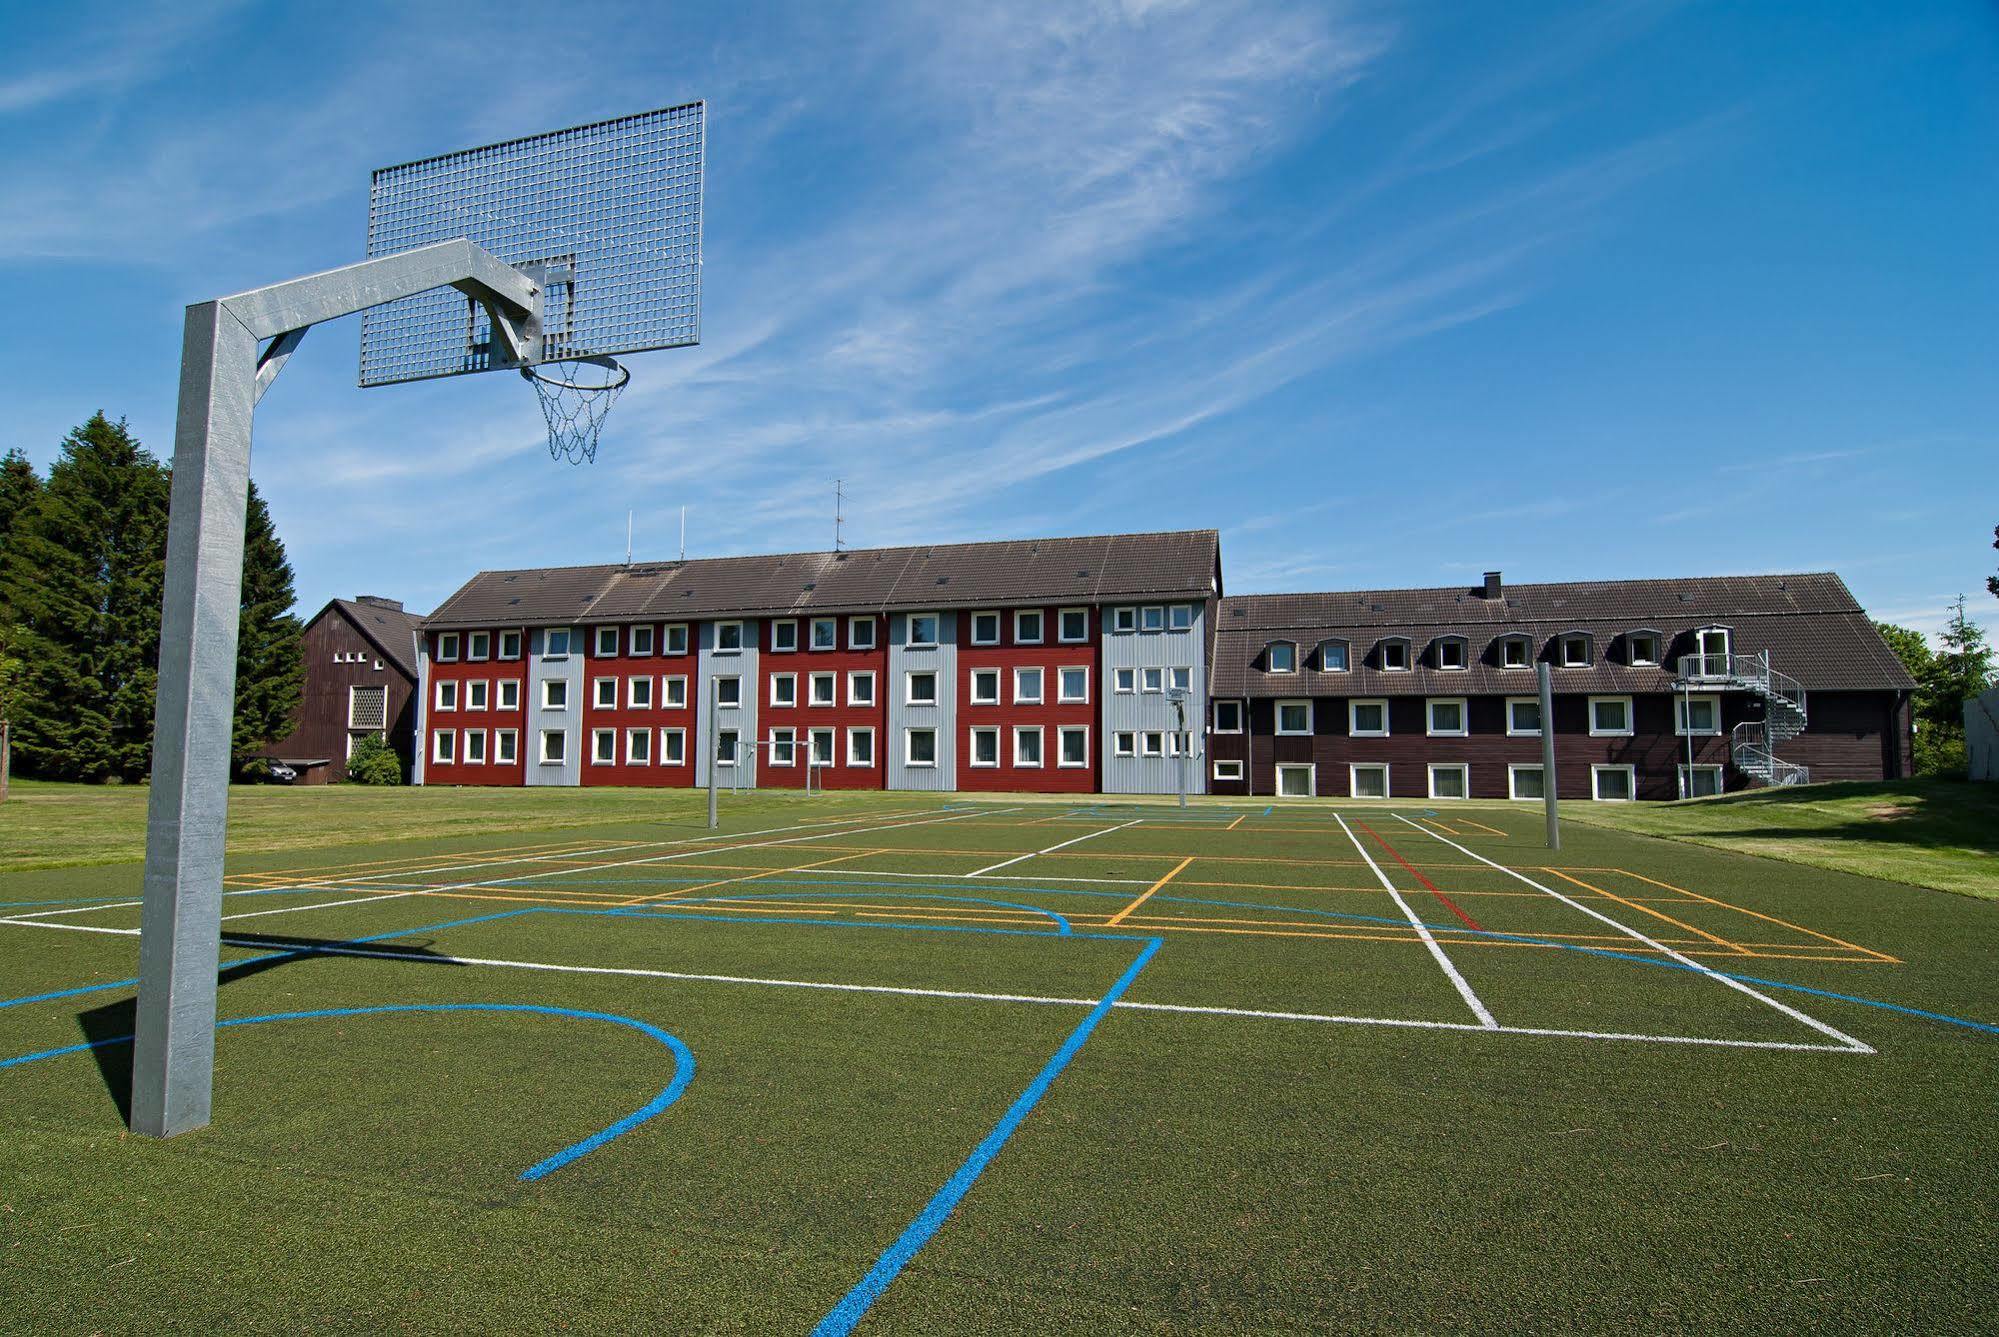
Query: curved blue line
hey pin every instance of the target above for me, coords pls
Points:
(1062, 929)
(683, 1060)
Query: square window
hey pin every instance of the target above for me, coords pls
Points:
(1072, 684)
(607, 643)
(555, 643)
(784, 689)
(506, 746)
(476, 695)
(1523, 716)
(1027, 626)
(1524, 782)
(1395, 656)
(1228, 770)
(985, 687)
(861, 636)
(554, 747)
(1450, 653)
(1152, 618)
(825, 688)
(1700, 781)
(1124, 680)
(1027, 746)
(985, 628)
(510, 694)
(555, 694)
(1228, 717)
(1447, 717)
(1367, 780)
(1075, 745)
(1294, 717)
(1696, 715)
(510, 645)
(1124, 744)
(728, 636)
(1610, 717)
(1575, 652)
(1027, 686)
(1333, 657)
(783, 750)
(1124, 619)
(1181, 617)
(1515, 652)
(638, 747)
(985, 747)
(783, 637)
(1294, 781)
(923, 632)
(1612, 784)
(673, 747)
(919, 747)
(728, 692)
(1644, 647)
(638, 692)
(478, 644)
(603, 746)
(921, 689)
(642, 640)
(447, 647)
(861, 689)
(444, 746)
(676, 638)
(860, 747)
(1154, 680)
(604, 693)
(1074, 627)
(728, 746)
(1367, 719)
(1282, 657)
(825, 633)
(1450, 781)
(447, 694)
(676, 691)
(1180, 679)
(821, 753)
(1152, 743)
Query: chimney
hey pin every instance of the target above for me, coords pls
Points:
(1492, 585)
(397, 604)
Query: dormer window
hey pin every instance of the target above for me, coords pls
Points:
(1333, 657)
(1713, 645)
(1452, 652)
(1282, 657)
(1575, 650)
(1642, 648)
(1516, 652)
(1393, 654)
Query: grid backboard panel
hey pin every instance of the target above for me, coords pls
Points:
(615, 206)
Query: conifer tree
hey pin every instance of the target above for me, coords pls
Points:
(270, 662)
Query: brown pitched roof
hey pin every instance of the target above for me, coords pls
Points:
(390, 630)
(950, 575)
(1810, 623)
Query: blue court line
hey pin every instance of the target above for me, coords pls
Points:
(1272, 808)
(683, 1060)
(843, 1317)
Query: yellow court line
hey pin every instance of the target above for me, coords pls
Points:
(1758, 914)
(747, 877)
(407, 862)
(1119, 917)
(1236, 823)
(1646, 909)
(1483, 827)
(1440, 826)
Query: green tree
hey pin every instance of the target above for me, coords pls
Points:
(81, 577)
(270, 660)
(1963, 665)
(1992, 582)
(374, 762)
(19, 486)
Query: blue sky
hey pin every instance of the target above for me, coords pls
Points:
(1391, 295)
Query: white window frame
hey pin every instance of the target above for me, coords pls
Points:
(1408, 654)
(784, 747)
(632, 686)
(598, 641)
(444, 746)
(1683, 702)
(1707, 656)
(549, 688)
(813, 737)
(506, 746)
(1270, 657)
(1230, 770)
(478, 694)
(1062, 734)
(1152, 680)
(604, 693)
(985, 675)
(1562, 659)
(908, 744)
(650, 634)
(735, 683)
(831, 678)
(1354, 768)
(1526, 644)
(1152, 743)
(1596, 783)
(731, 626)
(1311, 778)
(1152, 617)
(447, 694)
(735, 747)
(1124, 681)
(910, 638)
(855, 677)
(1020, 733)
(518, 640)
(598, 738)
(548, 650)
(972, 743)
(673, 691)
(1040, 635)
(1124, 743)
(1430, 729)
(1179, 678)
(977, 636)
(860, 633)
(635, 736)
(1353, 722)
(1463, 648)
(909, 697)
(861, 731)
(509, 695)
(672, 747)
(832, 625)
(478, 646)
(447, 647)
(1346, 656)
(1277, 717)
(1180, 617)
(1062, 693)
(1216, 725)
(784, 629)
(541, 746)
(1514, 770)
(1062, 636)
(1684, 773)
(1124, 620)
(1513, 731)
(1658, 639)
(1040, 675)
(1462, 768)
(475, 741)
(675, 634)
(1629, 728)
(784, 699)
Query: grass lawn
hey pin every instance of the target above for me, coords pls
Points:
(908, 1064)
(1929, 833)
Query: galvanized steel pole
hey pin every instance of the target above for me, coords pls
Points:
(714, 743)
(1548, 756)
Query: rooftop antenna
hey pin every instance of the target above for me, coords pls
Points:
(839, 515)
(628, 538)
(683, 533)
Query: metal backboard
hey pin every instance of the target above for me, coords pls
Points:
(607, 216)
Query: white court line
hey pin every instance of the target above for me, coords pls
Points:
(73, 928)
(1479, 1010)
(1687, 961)
(1052, 848)
(323, 905)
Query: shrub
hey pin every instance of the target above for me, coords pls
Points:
(374, 762)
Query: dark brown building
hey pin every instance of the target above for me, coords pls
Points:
(360, 678)
(1662, 688)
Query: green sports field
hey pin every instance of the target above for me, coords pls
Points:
(920, 1065)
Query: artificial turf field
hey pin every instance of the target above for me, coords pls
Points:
(918, 1066)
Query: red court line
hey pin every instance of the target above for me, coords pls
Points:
(1397, 855)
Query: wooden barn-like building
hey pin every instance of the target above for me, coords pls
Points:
(360, 678)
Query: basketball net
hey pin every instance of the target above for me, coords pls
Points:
(576, 395)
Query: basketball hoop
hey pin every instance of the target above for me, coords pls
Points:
(576, 396)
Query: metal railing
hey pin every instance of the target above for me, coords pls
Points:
(1753, 743)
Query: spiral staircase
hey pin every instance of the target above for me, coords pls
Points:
(1753, 744)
